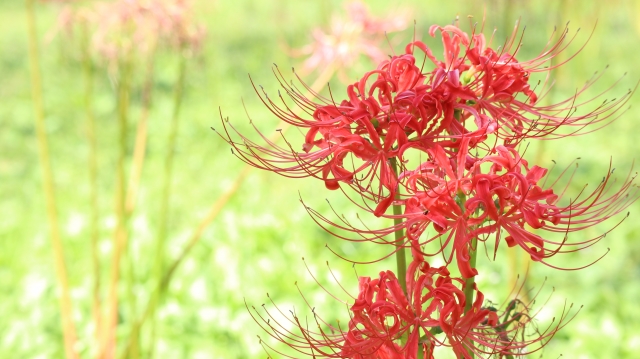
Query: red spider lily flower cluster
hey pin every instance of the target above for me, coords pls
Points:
(382, 315)
(465, 118)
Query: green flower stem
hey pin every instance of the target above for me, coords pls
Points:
(131, 348)
(93, 177)
(66, 309)
(108, 342)
(166, 194)
(401, 257)
(139, 153)
(469, 282)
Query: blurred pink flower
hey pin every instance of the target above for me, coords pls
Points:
(122, 28)
(347, 39)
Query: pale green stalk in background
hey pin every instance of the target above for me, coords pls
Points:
(166, 194)
(108, 342)
(93, 179)
(66, 308)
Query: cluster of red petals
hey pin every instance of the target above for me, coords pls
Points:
(435, 303)
(497, 197)
(476, 91)
(431, 315)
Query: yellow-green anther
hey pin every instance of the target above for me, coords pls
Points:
(465, 78)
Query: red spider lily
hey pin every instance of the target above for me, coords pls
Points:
(398, 107)
(476, 100)
(488, 84)
(462, 201)
(365, 126)
(431, 314)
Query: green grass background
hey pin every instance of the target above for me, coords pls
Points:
(255, 245)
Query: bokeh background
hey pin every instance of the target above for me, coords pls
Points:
(254, 246)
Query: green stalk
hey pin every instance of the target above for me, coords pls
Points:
(108, 344)
(93, 177)
(149, 314)
(469, 282)
(166, 194)
(66, 309)
(401, 258)
(137, 165)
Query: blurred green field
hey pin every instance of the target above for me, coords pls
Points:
(256, 244)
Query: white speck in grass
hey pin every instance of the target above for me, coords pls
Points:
(141, 226)
(79, 346)
(11, 335)
(546, 313)
(79, 293)
(240, 322)
(34, 287)
(226, 184)
(169, 310)
(75, 224)
(163, 346)
(292, 247)
(105, 247)
(40, 240)
(633, 343)
(110, 222)
(252, 346)
(210, 314)
(320, 297)
(198, 290)
(265, 264)
(190, 265)
(201, 355)
(336, 274)
(609, 328)
(582, 327)
(227, 262)
(230, 220)
(494, 277)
